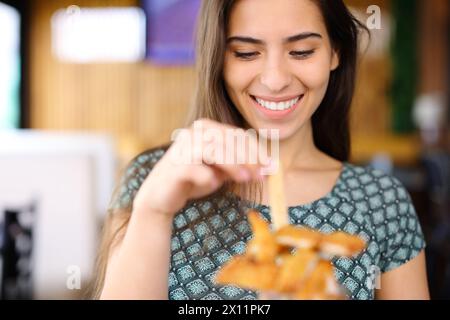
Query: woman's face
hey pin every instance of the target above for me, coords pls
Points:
(278, 62)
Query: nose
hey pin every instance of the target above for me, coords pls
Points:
(275, 75)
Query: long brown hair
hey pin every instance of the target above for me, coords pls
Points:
(330, 121)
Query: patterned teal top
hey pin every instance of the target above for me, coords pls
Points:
(207, 233)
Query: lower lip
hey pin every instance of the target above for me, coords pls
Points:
(276, 114)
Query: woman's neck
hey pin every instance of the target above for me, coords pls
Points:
(299, 149)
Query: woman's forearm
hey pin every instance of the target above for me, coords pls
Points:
(139, 267)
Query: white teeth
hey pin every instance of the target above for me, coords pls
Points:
(277, 106)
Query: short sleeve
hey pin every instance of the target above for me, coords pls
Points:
(404, 238)
(132, 178)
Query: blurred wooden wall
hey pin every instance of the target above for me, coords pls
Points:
(139, 103)
(371, 110)
(433, 48)
(371, 107)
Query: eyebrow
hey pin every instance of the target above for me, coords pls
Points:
(297, 37)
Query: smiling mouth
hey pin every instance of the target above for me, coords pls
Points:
(277, 106)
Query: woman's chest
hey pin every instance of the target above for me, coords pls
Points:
(208, 235)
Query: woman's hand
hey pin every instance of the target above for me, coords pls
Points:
(195, 166)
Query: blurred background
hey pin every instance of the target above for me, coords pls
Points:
(86, 85)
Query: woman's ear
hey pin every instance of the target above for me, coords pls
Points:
(334, 60)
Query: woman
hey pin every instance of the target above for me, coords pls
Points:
(262, 64)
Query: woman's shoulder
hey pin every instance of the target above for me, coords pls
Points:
(141, 165)
(133, 175)
(148, 158)
(377, 193)
(382, 197)
(370, 180)
(391, 214)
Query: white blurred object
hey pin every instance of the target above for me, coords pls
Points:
(9, 66)
(429, 115)
(85, 35)
(100, 147)
(71, 178)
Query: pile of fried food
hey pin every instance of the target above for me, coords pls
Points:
(270, 267)
(289, 262)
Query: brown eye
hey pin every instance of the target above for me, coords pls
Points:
(302, 54)
(245, 55)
